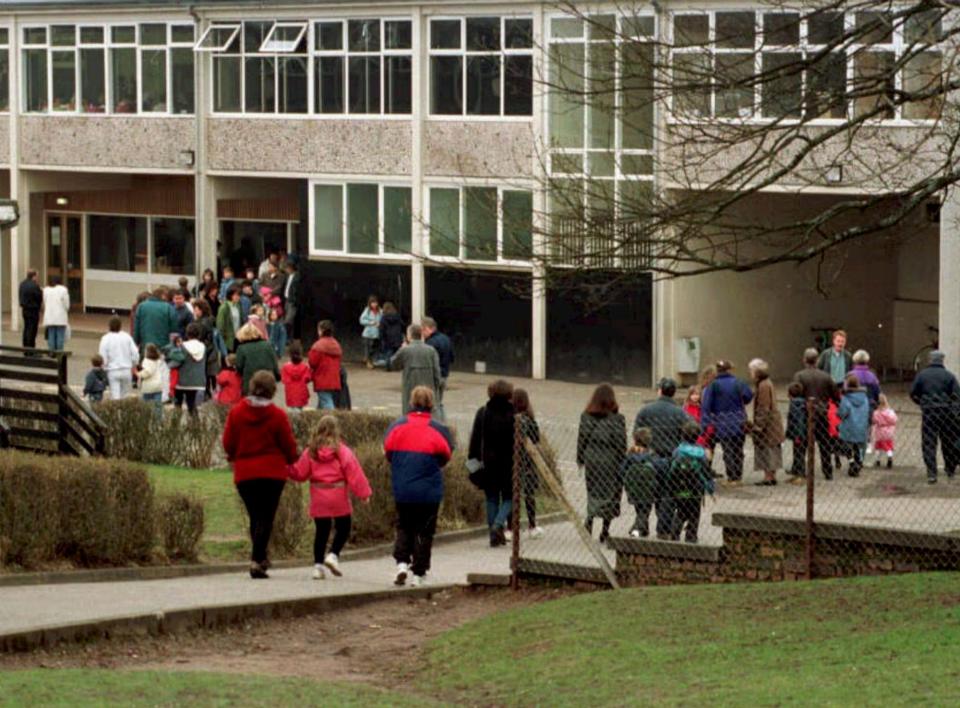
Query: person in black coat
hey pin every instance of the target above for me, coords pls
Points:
(937, 393)
(291, 297)
(491, 442)
(392, 331)
(31, 299)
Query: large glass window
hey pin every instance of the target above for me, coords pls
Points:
(483, 224)
(118, 69)
(174, 246)
(117, 243)
(481, 66)
(363, 66)
(4, 69)
(361, 218)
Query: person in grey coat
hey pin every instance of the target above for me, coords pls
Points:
(419, 363)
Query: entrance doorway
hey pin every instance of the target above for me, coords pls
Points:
(65, 254)
(244, 244)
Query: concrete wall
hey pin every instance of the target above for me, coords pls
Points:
(114, 142)
(478, 149)
(5, 143)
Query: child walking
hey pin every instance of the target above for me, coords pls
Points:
(151, 384)
(370, 320)
(884, 430)
(796, 432)
(96, 381)
(334, 474)
(229, 383)
(690, 480)
(296, 378)
(854, 414)
(692, 405)
(640, 481)
(529, 478)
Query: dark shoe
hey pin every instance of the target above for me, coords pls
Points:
(258, 572)
(604, 537)
(931, 480)
(766, 483)
(889, 463)
(828, 475)
(877, 463)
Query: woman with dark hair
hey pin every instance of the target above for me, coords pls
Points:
(601, 446)
(203, 318)
(211, 295)
(259, 445)
(491, 442)
(723, 410)
(206, 278)
(392, 332)
(529, 477)
(324, 358)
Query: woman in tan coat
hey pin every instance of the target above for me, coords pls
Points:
(767, 426)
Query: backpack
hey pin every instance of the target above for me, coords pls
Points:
(687, 479)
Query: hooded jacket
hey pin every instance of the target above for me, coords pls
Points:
(191, 359)
(884, 425)
(854, 413)
(334, 475)
(258, 441)
(417, 449)
(325, 356)
(296, 384)
(151, 380)
(229, 388)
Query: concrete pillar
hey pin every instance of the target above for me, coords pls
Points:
(538, 335)
(419, 96)
(20, 234)
(950, 278)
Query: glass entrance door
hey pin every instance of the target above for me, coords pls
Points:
(65, 254)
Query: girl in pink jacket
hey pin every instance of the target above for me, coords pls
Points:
(884, 430)
(334, 473)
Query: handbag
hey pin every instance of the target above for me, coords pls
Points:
(475, 468)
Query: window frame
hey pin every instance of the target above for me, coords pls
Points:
(461, 186)
(199, 44)
(343, 253)
(131, 276)
(464, 53)
(283, 24)
(106, 45)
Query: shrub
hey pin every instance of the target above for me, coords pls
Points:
(87, 534)
(180, 521)
(374, 522)
(29, 516)
(134, 519)
(463, 504)
(356, 427)
(291, 525)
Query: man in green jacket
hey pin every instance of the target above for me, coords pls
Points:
(230, 318)
(155, 321)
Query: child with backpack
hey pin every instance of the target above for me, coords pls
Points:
(796, 432)
(296, 378)
(640, 481)
(854, 414)
(690, 479)
(96, 381)
(334, 474)
(229, 383)
(884, 430)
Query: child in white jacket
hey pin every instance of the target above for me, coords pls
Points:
(151, 379)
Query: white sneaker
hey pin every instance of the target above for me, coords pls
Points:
(403, 570)
(635, 533)
(318, 572)
(507, 534)
(418, 581)
(536, 532)
(333, 563)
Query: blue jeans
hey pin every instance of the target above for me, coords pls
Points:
(499, 508)
(325, 400)
(156, 400)
(55, 336)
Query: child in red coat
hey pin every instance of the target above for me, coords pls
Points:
(296, 378)
(229, 384)
(334, 474)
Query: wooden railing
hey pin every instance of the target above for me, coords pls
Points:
(41, 410)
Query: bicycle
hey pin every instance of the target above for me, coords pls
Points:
(922, 357)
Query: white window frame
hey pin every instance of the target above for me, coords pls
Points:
(131, 276)
(201, 45)
(283, 46)
(851, 50)
(343, 253)
(107, 45)
(461, 187)
(464, 54)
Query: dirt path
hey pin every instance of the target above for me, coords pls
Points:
(380, 643)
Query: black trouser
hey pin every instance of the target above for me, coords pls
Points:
(732, 454)
(190, 396)
(31, 323)
(530, 502)
(260, 497)
(798, 467)
(666, 511)
(642, 521)
(828, 446)
(341, 534)
(688, 515)
(416, 524)
(939, 426)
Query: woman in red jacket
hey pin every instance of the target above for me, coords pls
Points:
(325, 356)
(259, 444)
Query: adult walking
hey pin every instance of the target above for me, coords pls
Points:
(818, 385)
(324, 358)
(259, 445)
(419, 363)
(391, 331)
(441, 342)
(417, 448)
(120, 356)
(866, 377)
(230, 318)
(724, 412)
(254, 354)
(937, 393)
(492, 442)
(767, 425)
(836, 361)
(212, 342)
(56, 313)
(292, 287)
(601, 447)
(155, 321)
(665, 419)
(31, 300)
(370, 337)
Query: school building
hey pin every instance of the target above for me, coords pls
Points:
(402, 148)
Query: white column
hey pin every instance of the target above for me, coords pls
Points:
(205, 200)
(538, 335)
(950, 278)
(419, 95)
(22, 232)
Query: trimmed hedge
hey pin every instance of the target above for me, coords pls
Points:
(181, 526)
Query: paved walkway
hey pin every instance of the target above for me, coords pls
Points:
(30, 608)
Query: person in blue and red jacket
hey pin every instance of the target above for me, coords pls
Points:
(417, 449)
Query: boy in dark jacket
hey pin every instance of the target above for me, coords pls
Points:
(690, 479)
(640, 480)
(796, 432)
(96, 382)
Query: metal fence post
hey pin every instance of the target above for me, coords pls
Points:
(811, 482)
(515, 516)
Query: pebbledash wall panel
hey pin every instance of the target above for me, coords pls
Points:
(478, 149)
(106, 141)
(4, 141)
(356, 147)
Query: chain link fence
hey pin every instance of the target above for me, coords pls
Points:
(847, 475)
